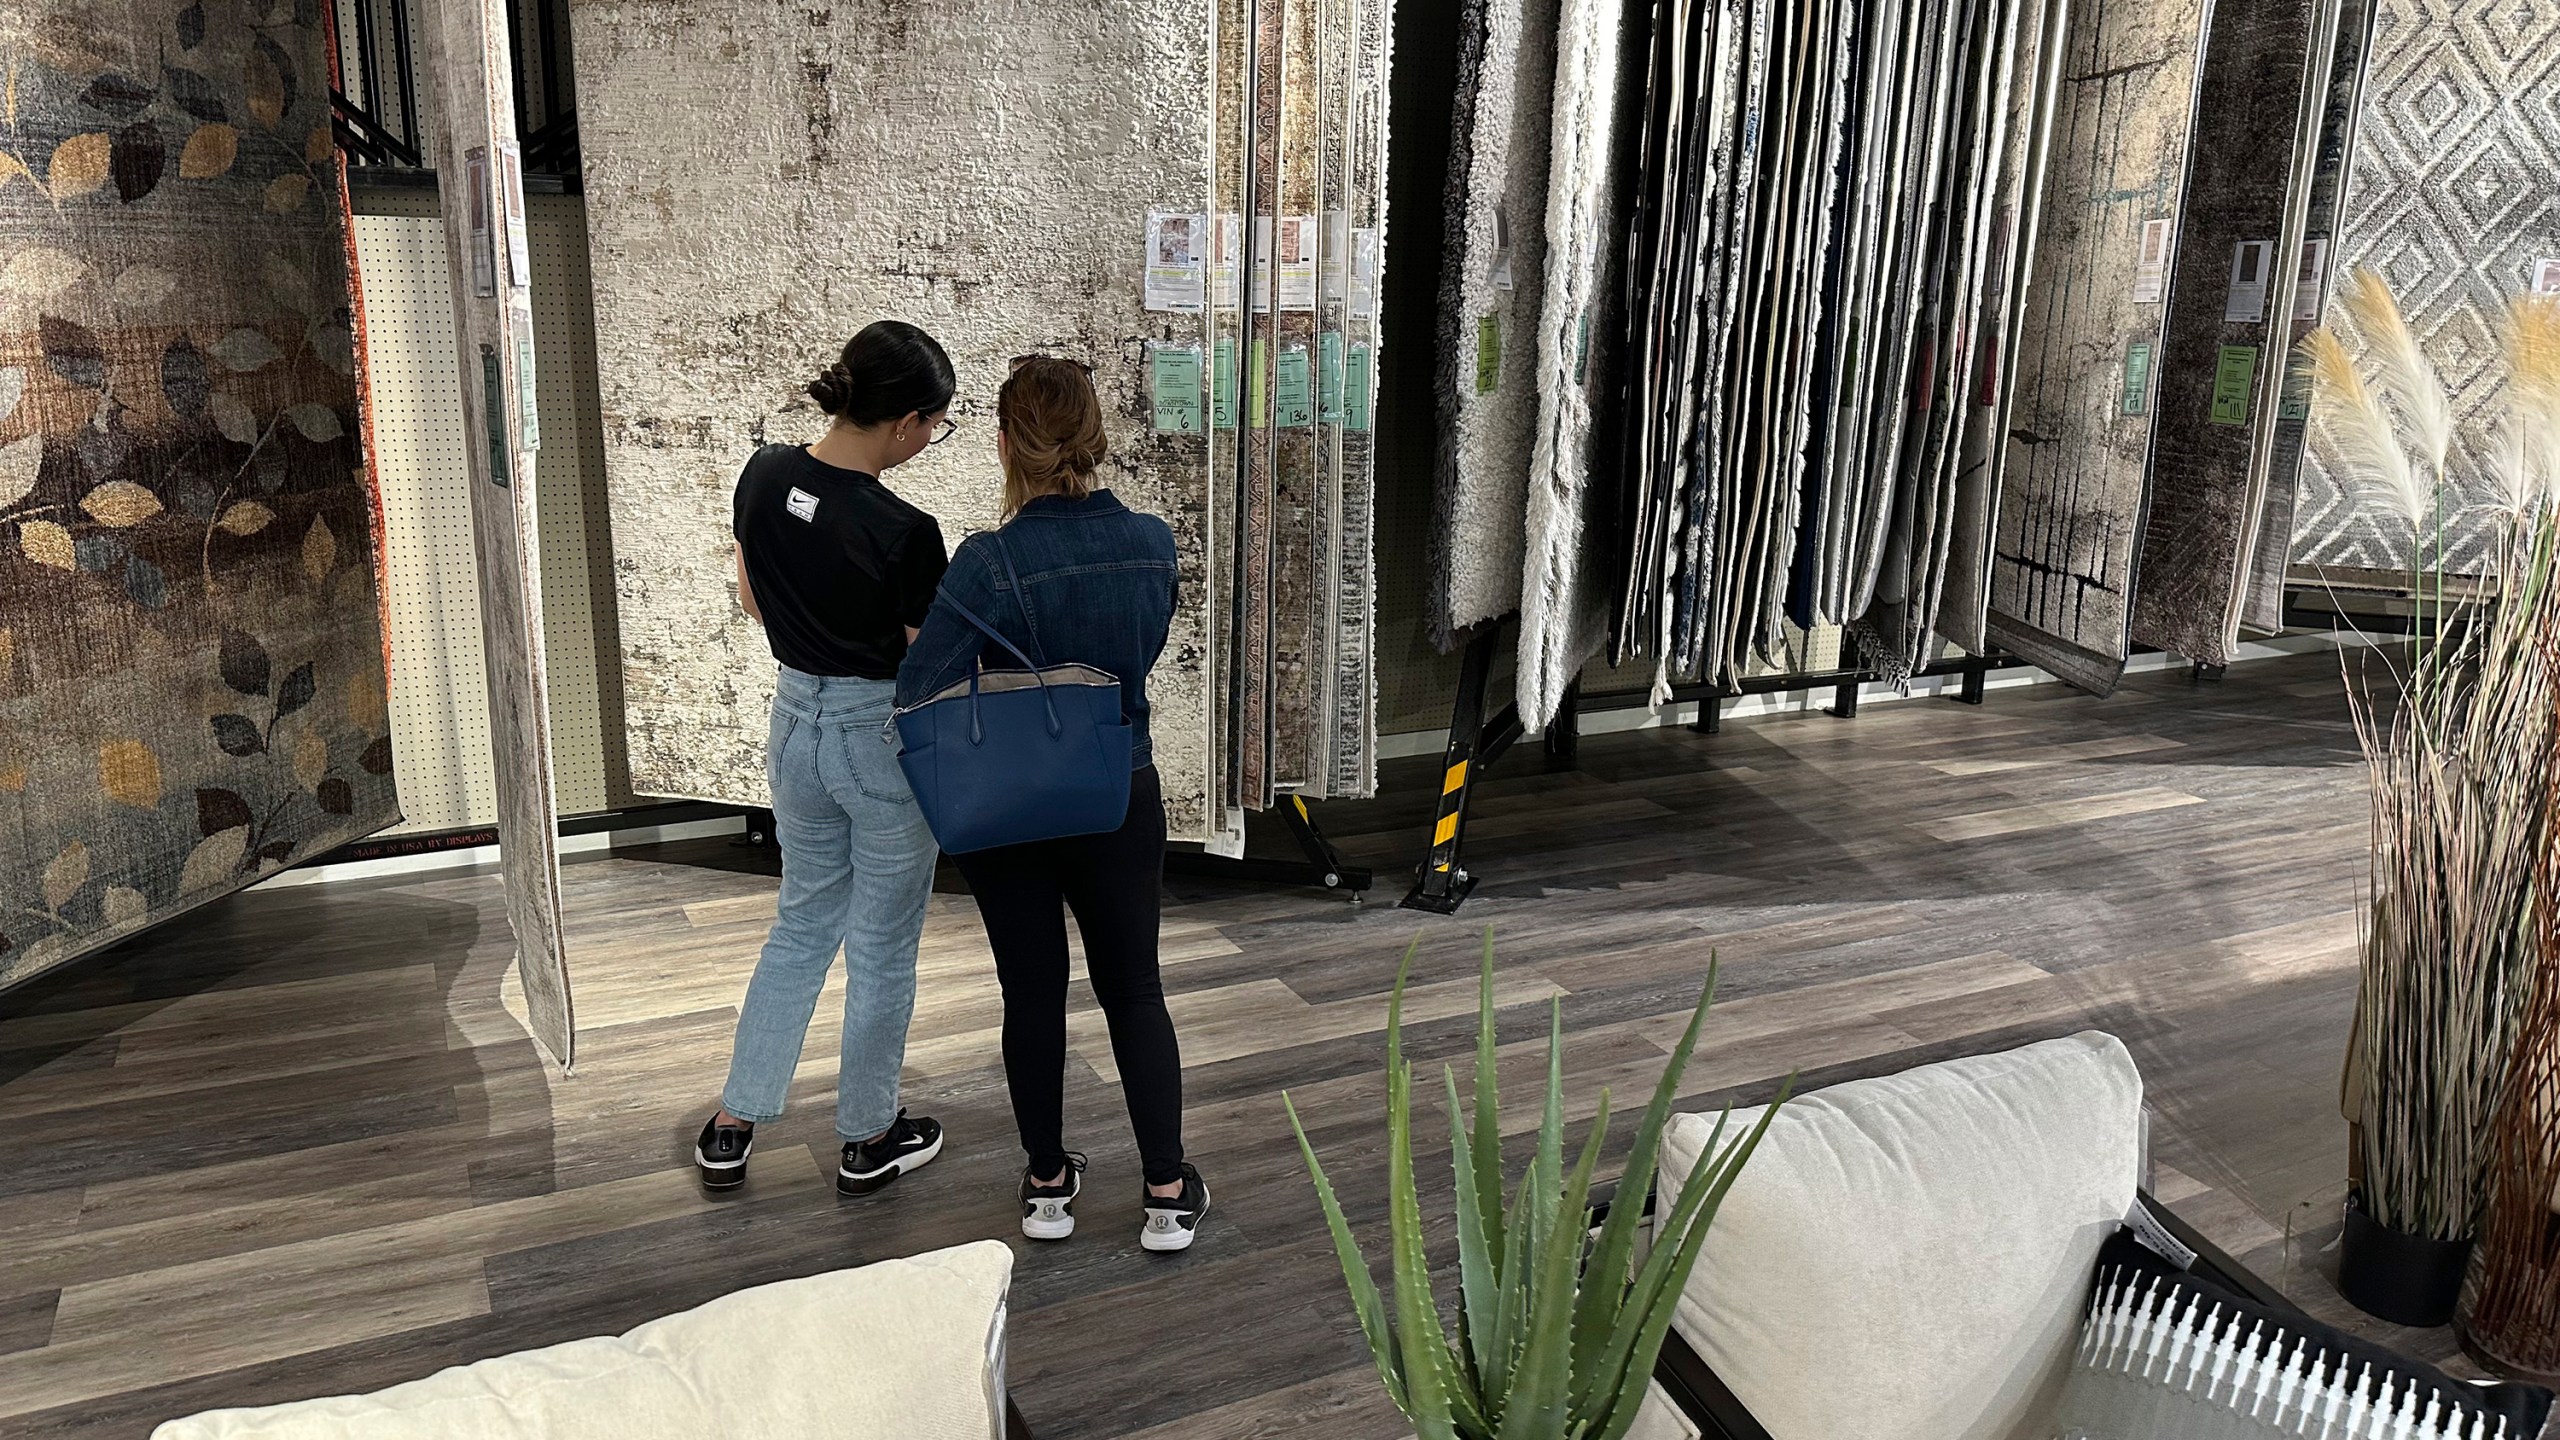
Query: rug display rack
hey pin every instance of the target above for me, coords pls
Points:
(1210, 246)
(1945, 321)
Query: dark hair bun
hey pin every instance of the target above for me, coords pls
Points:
(891, 369)
(833, 389)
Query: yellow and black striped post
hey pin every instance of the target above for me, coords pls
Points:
(1442, 882)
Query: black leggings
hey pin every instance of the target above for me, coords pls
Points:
(1111, 883)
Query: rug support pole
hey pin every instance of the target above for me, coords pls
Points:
(1322, 867)
(1441, 883)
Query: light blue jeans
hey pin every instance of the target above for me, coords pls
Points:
(857, 868)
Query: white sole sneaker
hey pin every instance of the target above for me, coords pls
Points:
(1168, 1230)
(1053, 1217)
(865, 1182)
(723, 1174)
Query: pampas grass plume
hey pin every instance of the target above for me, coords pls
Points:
(2533, 395)
(2360, 429)
(2406, 375)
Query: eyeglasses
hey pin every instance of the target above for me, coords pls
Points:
(943, 431)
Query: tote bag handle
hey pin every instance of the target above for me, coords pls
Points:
(977, 732)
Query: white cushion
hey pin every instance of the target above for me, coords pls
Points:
(920, 1339)
(1907, 1258)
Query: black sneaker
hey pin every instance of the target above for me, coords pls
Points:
(1171, 1223)
(722, 1154)
(1049, 1211)
(869, 1165)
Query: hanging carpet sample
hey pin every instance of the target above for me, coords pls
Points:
(1296, 476)
(493, 367)
(191, 671)
(2259, 101)
(754, 196)
(1229, 340)
(2452, 200)
(1491, 285)
(1565, 582)
(2271, 552)
(1965, 598)
(2072, 498)
(1362, 42)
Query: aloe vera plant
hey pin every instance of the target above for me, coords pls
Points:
(1557, 1329)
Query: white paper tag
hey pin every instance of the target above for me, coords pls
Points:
(1262, 236)
(2151, 273)
(1364, 272)
(1298, 263)
(801, 503)
(1333, 269)
(2307, 285)
(2252, 262)
(484, 243)
(511, 196)
(1226, 284)
(2546, 277)
(2156, 1238)
(1177, 268)
(1501, 249)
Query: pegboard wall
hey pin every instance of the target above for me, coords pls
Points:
(439, 687)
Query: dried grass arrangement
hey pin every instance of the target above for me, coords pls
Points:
(2511, 1317)
(2461, 746)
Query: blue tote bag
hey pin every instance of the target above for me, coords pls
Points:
(1006, 757)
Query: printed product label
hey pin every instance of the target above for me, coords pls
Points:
(1176, 262)
(2294, 403)
(1222, 385)
(1298, 263)
(801, 503)
(1329, 377)
(1295, 407)
(2546, 277)
(2151, 270)
(2232, 374)
(1488, 353)
(1333, 269)
(1355, 389)
(2245, 302)
(1174, 379)
(2307, 285)
(2137, 377)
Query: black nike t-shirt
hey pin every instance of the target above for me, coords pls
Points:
(840, 566)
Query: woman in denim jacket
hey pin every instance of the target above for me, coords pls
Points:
(1097, 588)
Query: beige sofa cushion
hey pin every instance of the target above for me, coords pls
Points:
(1907, 1258)
(920, 1339)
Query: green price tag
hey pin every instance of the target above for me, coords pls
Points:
(1488, 353)
(2295, 403)
(1582, 348)
(1295, 406)
(1174, 379)
(1222, 386)
(2137, 377)
(1258, 385)
(2232, 375)
(1355, 389)
(1329, 377)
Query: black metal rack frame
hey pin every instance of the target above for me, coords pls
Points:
(1442, 881)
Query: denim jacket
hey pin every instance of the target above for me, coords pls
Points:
(1098, 588)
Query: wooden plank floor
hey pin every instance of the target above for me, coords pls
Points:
(296, 1144)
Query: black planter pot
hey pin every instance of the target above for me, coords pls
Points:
(2405, 1279)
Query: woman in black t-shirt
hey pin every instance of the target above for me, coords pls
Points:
(840, 571)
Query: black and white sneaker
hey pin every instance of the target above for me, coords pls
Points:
(722, 1153)
(869, 1165)
(1173, 1222)
(1049, 1211)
